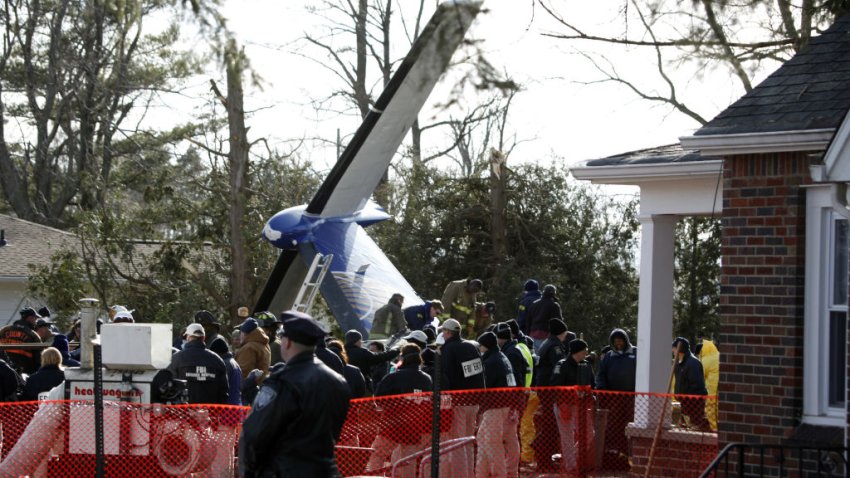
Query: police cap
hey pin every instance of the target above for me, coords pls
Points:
(303, 330)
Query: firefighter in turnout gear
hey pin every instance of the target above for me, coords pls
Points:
(459, 300)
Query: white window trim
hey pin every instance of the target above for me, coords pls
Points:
(820, 215)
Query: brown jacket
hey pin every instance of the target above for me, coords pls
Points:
(254, 353)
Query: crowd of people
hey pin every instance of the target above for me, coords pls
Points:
(271, 359)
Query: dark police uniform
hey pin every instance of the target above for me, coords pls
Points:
(298, 414)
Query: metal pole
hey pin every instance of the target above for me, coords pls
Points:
(98, 410)
(435, 418)
(88, 331)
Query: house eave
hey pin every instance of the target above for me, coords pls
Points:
(750, 143)
(635, 174)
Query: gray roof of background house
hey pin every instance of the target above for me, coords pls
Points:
(29, 243)
(671, 153)
(809, 91)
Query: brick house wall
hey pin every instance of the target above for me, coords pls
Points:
(761, 299)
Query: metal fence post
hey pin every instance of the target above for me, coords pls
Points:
(435, 418)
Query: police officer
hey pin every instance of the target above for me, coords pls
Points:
(298, 414)
(552, 351)
(21, 332)
(204, 371)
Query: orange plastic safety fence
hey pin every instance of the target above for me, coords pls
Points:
(58, 439)
(562, 431)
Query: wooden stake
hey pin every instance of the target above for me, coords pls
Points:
(661, 418)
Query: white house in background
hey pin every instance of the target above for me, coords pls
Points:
(26, 243)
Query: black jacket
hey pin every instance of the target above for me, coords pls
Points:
(355, 380)
(461, 366)
(690, 379)
(517, 360)
(295, 422)
(9, 382)
(329, 358)
(540, 312)
(498, 372)
(550, 353)
(43, 380)
(617, 369)
(204, 372)
(568, 372)
(364, 359)
(407, 379)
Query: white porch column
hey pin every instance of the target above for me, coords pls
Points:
(655, 309)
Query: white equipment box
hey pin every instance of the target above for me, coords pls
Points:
(136, 346)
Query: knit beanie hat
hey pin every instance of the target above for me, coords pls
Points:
(557, 326)
(488, 339)
(352, 337)
(531, 285)
(577, 345)
(503, 331)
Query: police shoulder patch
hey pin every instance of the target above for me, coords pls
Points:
(265, 396)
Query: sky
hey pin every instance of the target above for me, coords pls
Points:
(561, 114)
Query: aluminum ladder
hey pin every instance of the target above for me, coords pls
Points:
(312, 282)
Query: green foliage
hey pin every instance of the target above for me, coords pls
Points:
(80, 77)
(63, 282)
(559, 232)
(697, 274)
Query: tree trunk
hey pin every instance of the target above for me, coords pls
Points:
(238, 159)
(498, 205)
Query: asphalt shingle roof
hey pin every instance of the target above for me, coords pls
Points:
(809, 91)
(29, 243)
(671, 153)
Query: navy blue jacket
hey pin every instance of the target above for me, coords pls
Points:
(497, 370)
(204, 372)
(234, 379)
(690, 379)
(517, 360)
(355, 380)
(617, 369)
(43, 380)
(417, 316)
(524, 304)
(407, 379)
(461, 366)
